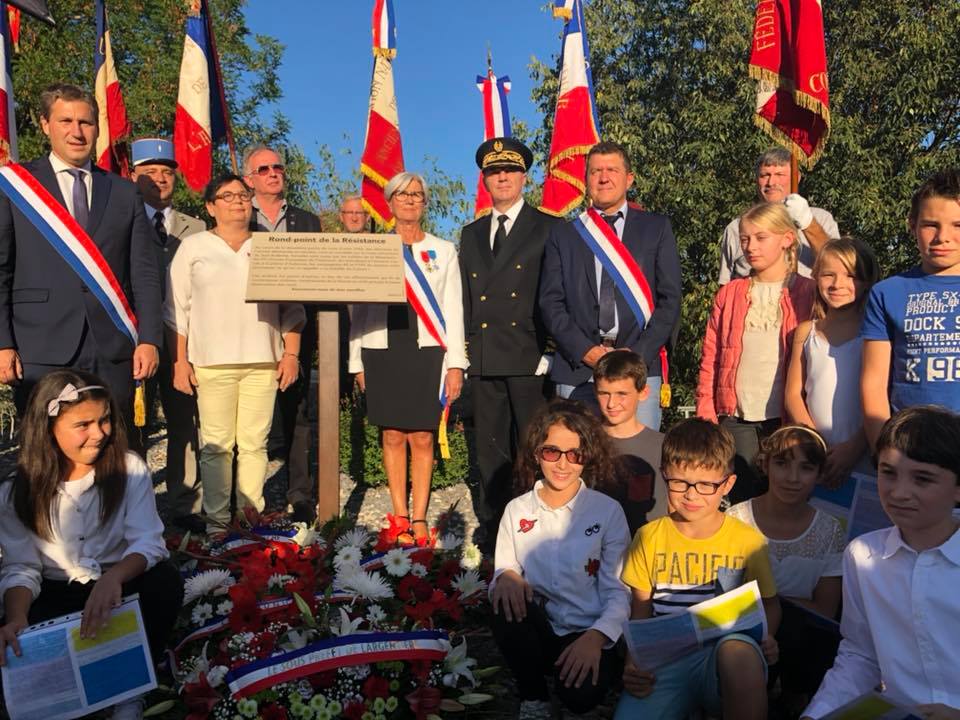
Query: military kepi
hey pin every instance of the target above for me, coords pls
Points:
(152, 150)
(504, 153)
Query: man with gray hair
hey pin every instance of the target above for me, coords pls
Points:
(814, 225)
(266, 174)
(353, 215)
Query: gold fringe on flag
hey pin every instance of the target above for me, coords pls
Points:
(139, 405)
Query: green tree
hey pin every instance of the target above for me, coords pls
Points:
(671, 85)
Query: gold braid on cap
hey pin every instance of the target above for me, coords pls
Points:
(500, 157)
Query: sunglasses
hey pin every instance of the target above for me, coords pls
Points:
(551, 454)
(263, 170)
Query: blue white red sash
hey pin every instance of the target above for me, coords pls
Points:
(424, 303)
(71, 242)
(331, 653)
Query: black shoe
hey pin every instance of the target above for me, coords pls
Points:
(193, 523)
(304, 511)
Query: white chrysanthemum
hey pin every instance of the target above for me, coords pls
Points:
(204, 583)
(397, 563)
(370, 586)
(448, 541)
(277, 581)
(201, 613)
(375, 615)
(419, 570)
(468, 583)
(225, 607)
(347, 555)
(471, 557)
(216, 674)
(358, 537)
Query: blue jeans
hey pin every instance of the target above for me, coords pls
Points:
(682, 686)
(649, 412)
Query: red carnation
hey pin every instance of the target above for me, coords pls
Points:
(425, 701)
(273, 712)
(354, 711)
(200, 698)
(376, 687)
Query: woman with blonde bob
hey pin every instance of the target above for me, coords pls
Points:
(399, 363)
(823, 382)
(749, 336)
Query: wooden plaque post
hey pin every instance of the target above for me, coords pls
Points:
(328, 414)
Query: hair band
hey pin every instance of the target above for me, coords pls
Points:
(804, 428)
(69, 394)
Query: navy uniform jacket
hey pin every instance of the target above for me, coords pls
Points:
(504, 330)
(43, 303)
(568, 295)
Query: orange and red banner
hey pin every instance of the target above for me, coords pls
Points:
(382, 150)
(789, 60)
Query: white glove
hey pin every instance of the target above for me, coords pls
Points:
(545, 365)
(799, 210)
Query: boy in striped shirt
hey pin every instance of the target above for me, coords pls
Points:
(693, 554)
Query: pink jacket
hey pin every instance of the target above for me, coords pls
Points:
(723, 343)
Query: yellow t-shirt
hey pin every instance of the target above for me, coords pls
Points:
(682, 571)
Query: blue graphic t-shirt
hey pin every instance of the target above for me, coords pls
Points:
(919, 314)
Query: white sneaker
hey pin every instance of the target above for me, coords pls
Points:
(535, 710)
(129, 709)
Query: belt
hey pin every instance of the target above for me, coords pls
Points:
(610, 342)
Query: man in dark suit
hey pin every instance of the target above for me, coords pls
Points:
(155, 173)
(266, 174)
(48, 317)
(583, 310)
(500, 256)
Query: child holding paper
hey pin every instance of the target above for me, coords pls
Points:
(806, 554)
(900, 601)
(693, 554)
(78, 523)
(558, 602)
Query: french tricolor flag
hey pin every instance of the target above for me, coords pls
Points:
(113, 125)
(201, 118)
(384, 29)
(576, 127)
(496, 123)
(8, 124)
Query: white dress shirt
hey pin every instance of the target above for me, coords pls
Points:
(167, 215)
(206, 290)
(65, 180)
(618, 225)
(511, 214)
(82, 548)
(571, 556)
(899, 626)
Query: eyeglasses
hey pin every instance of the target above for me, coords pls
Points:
(229, 196)
(262, 170)
(701, 486)
(415, 196)
(551, 454)
(354, 213)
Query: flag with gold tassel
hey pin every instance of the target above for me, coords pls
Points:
(496, 123)
(382, 149)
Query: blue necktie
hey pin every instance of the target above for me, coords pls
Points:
(81, 212)
(607, 317)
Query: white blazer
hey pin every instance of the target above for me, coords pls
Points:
(368, 322)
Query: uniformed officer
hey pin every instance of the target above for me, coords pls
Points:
(500, 258)
(154, 171)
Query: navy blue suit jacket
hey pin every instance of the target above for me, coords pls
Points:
(568, 295)
(43, 303)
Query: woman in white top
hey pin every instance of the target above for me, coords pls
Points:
(234, 353)
(805, 547)
(399, 363)
(78, 522)
(823, 380)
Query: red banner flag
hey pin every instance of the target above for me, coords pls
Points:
(789, 60)
(114, 127)
(576, 127)
(382, 150)
(8, 125)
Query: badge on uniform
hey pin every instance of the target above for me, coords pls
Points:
(429, 258)
(592, 567)
(526, 525)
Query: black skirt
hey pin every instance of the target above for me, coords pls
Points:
(403, 381)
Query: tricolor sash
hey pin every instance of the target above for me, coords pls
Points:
(626, 274)
(336, 652)
(424, 303)
(71, 242)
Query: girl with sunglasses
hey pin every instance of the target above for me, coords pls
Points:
(558, 601)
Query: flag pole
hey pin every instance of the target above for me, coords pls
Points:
(222, 90)
(794, 171)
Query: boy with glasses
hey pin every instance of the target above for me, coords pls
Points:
(693, 554)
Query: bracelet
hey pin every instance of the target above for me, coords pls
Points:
(291, 355)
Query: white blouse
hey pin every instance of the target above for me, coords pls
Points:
(571, 556)
(800, 562)
(206, 291)
(82, 548)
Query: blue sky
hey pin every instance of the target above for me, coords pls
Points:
(441, 48)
